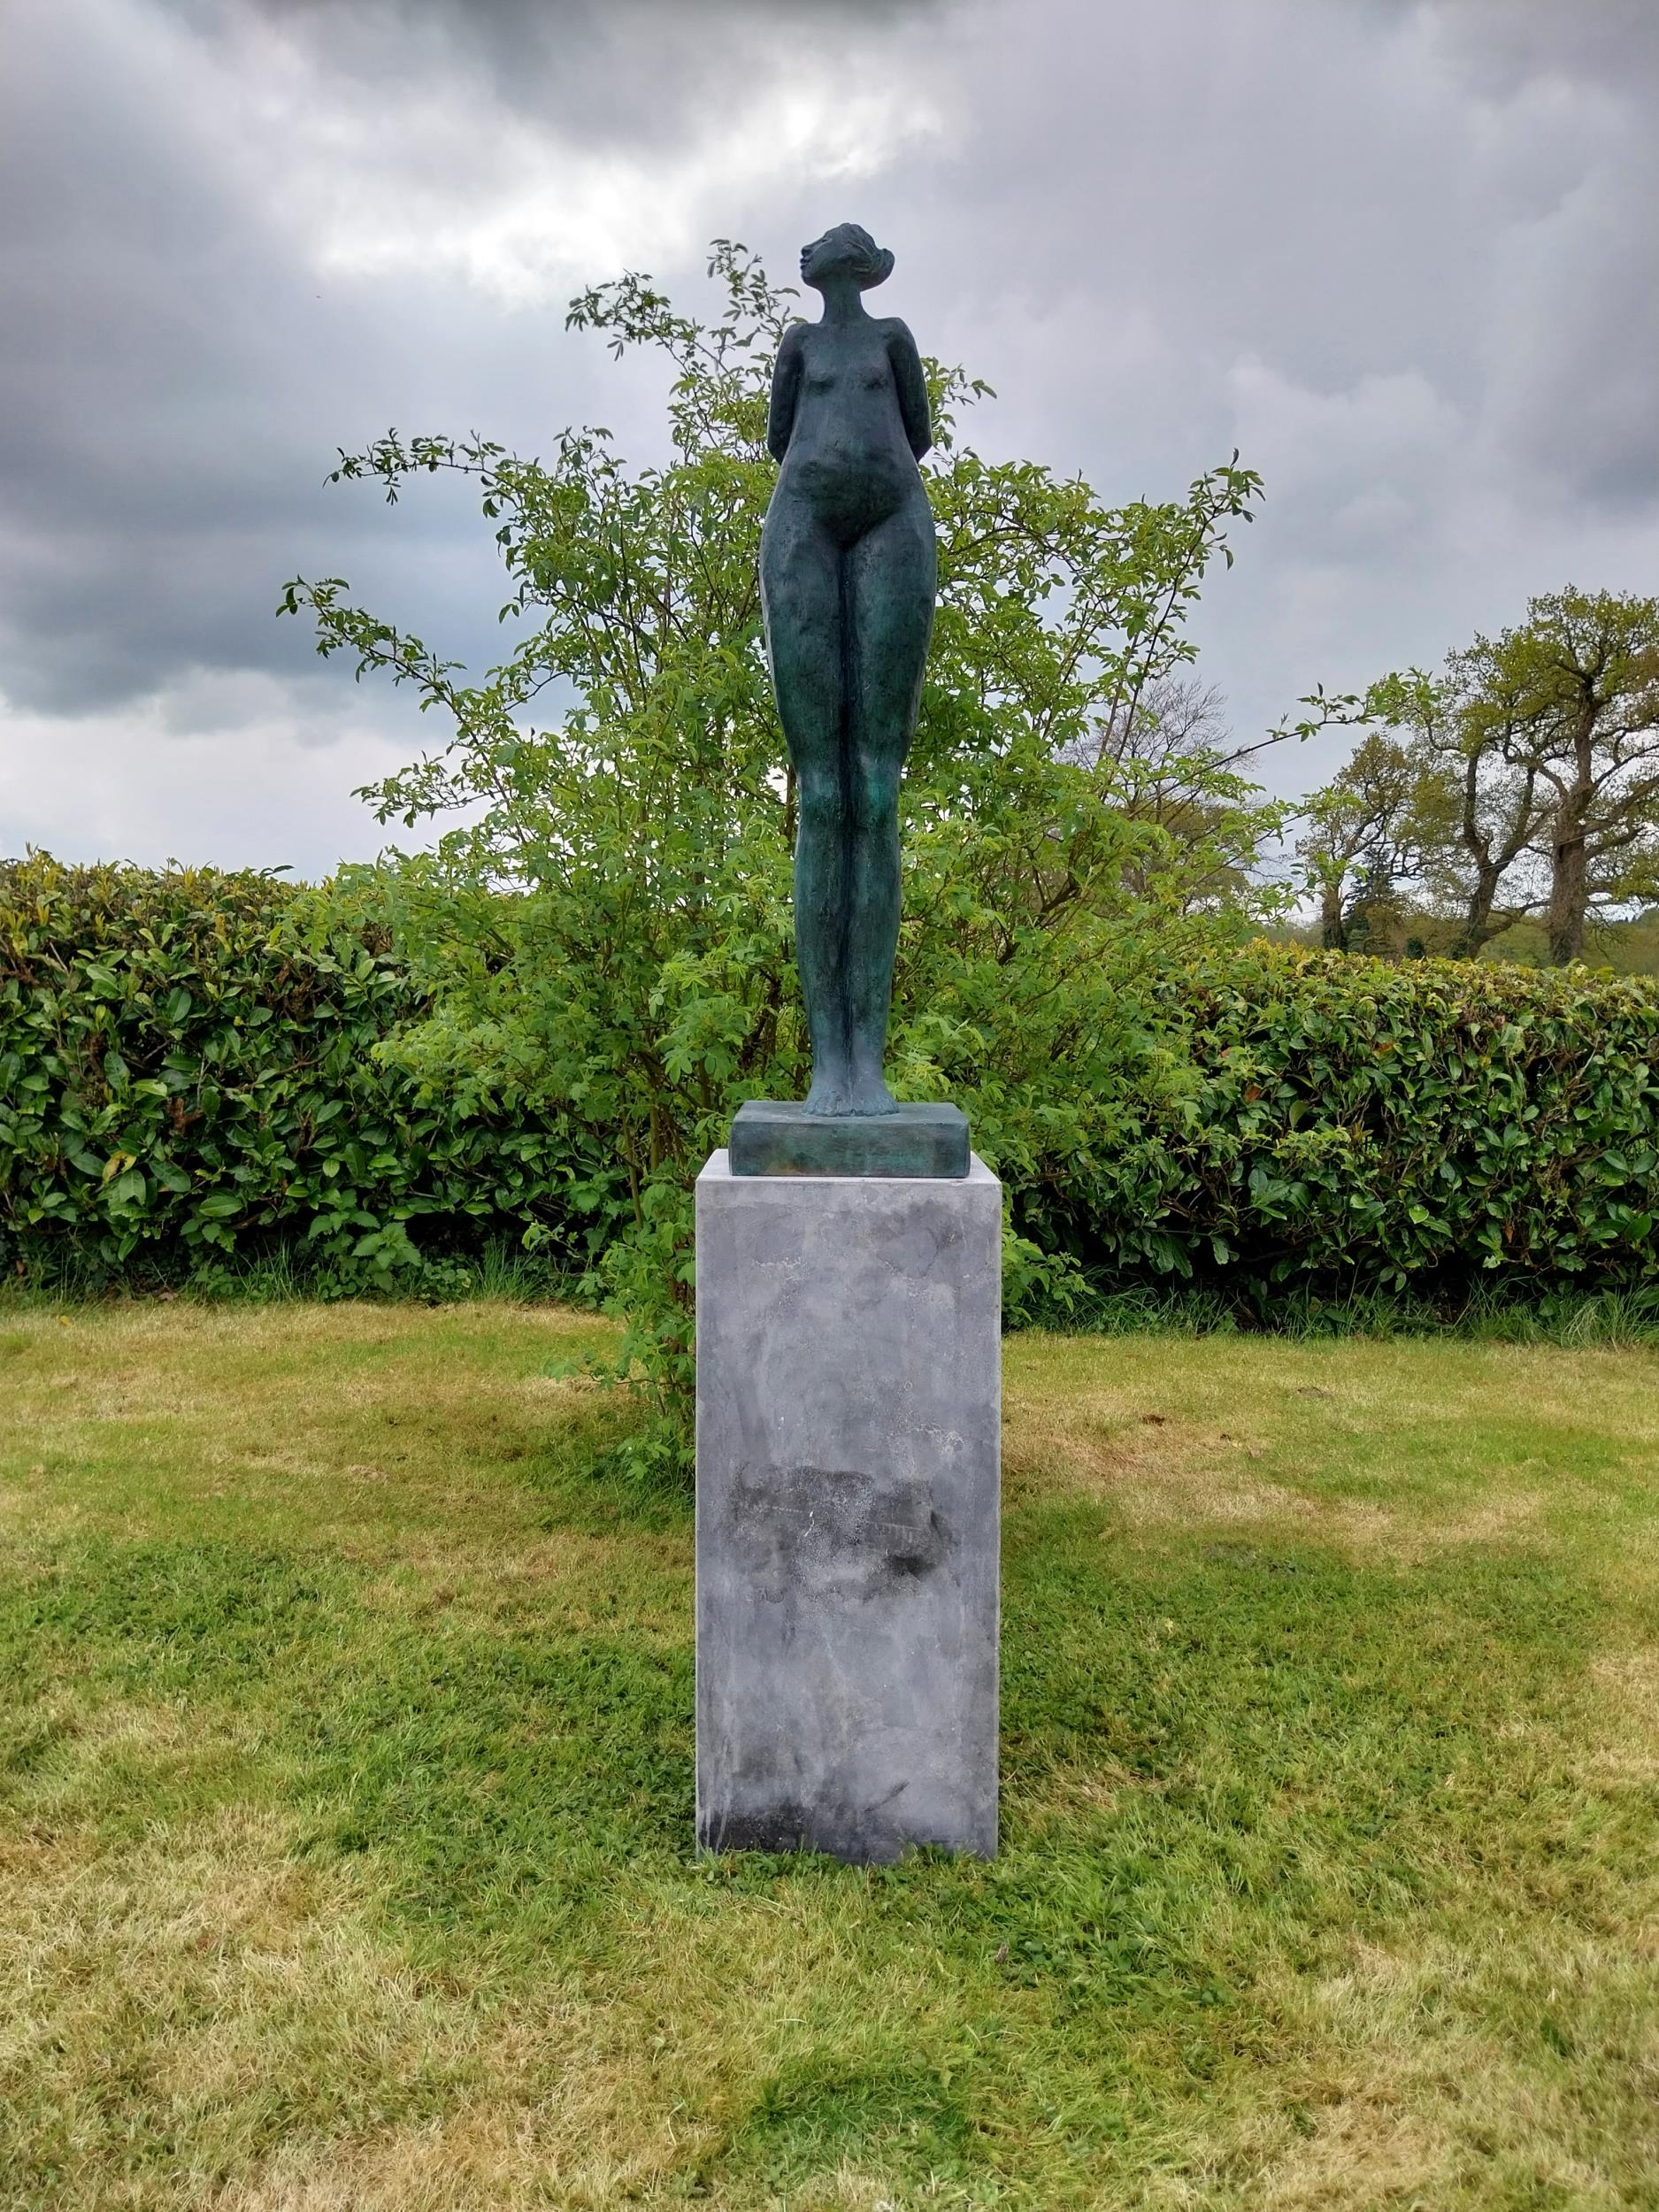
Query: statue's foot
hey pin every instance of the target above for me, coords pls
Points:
(828, 1094)
(867, 1094)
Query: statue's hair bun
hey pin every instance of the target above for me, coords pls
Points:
(871, 264)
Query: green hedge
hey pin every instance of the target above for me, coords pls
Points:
(1307, 1118)
(187, 1076)
(188, 1079)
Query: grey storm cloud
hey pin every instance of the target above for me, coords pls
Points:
(1399, 251)
(606, 69)
(175, 370)
(1506, 44)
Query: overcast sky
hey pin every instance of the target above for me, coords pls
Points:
(1404, 257)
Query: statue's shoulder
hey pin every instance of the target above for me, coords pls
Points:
(892, 327)
(794, 338)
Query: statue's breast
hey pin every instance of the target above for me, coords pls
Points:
(854, 382)
(859, 371)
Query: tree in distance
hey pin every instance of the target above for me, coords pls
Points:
(1168, 756)
(1365, 836)
(1523, 780)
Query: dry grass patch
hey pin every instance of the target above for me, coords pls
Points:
(1376, 1448)
(1464, 2075)
(208, 1987)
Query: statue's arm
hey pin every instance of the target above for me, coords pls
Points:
(786, 389)
(911, 386)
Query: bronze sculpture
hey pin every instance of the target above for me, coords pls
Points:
(847, 575)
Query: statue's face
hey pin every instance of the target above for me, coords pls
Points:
(833, 255)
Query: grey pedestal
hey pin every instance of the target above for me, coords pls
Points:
(848, 1416)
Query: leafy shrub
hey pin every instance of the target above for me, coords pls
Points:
(622, 769)
(189, 1078)
(1322, 1120)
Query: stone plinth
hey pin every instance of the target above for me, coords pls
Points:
(849, 1417)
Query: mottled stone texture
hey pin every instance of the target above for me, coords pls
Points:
(849, 1419)
(774, 1136)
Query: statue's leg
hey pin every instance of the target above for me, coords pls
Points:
(890, 606)
(801, 593)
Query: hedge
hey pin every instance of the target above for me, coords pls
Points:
(1313, 1118)
(187, 1076)
(188, 1079)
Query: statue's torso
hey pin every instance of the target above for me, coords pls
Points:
(849, 458)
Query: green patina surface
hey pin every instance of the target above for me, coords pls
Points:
(773, 1137)
(847, 568)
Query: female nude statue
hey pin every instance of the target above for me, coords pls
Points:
(846, 574)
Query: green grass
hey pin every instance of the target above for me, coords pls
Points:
(345, 1779)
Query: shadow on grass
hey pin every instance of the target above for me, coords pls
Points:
(1561, 1313)
(885, 2105)
(603, 1466)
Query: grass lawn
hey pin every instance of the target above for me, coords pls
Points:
(345, 1794)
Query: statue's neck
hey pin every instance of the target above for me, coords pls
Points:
(842, 305)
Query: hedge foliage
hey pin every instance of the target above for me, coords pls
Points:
(189, 1076)
(1316, 1119)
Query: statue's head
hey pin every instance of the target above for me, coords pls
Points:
(848, 250)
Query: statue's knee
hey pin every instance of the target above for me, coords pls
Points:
(820, 801)
(876, 797)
